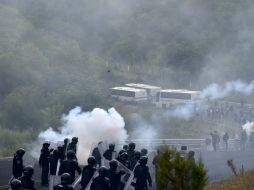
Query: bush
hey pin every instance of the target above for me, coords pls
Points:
(174, 172)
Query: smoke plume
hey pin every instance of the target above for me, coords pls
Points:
(215, 91)
(90, 128)
(248, 127)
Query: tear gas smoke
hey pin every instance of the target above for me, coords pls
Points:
(90, 128)
(185, 111)
(215, 91)
(248, 127)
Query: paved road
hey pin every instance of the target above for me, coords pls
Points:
(215, 162)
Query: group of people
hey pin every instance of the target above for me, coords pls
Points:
(62, 161)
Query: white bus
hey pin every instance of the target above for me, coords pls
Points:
(129, 94)
(171, 97)
(152, 91)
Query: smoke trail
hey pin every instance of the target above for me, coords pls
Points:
(248, 127)
(215, 91)
(90, 128)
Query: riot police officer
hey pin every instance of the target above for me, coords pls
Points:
(53, 161)
(65, 183)
(73, 145)
(17, 165)
(123, 159)
(16, 184)
(88, 172)
(142, 175)
(44, 163)
(114, 176)
(137, 156)
(70, 166)
(101, 182)
(144, 152)
(26, 179)
(65, 145)
(110, 153)
(131, 154)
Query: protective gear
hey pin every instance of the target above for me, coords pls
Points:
(111, 147)
(144, 152)
(97, 155)
(131, 155)
(65, 183)
(53, 161)
(17, 164)
(16, 184)
(100, 182)
(125, 147)
(110, 153)
(113, 164)
(74, 139)
(73, 145)
(71, 154)
(44, 163)
(143, 160)
(132, 146)
(70, 166)
(91, 161)
(26, 180)
(137, 155)
(65, 178)
(123, 159)
(142, 175)
(88, 172)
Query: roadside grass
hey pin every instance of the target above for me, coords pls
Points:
(244, 181)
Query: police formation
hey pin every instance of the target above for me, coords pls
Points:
(93, 175)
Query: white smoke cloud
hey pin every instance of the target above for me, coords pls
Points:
(90, 128)
(215, 91)
(248, 127)
(185, 111)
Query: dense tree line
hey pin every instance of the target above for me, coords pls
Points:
(55, 55)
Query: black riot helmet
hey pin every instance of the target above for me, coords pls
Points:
(143, 160)
(125, 147)
(55, 153)
(113, 164)
(65, 179)
(102, 171)
(111, 146)
(28, 171)
(46, 144)
(20, 152)
(66, 140)
(74, 140)
(144, 152)
(137, 155)
(124, 156)
(16, 184)
(70, 154)
(91, 161)
(132, 146)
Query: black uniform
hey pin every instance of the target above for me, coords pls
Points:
(27, 183)
(63, 187)
(109, 153)
(100, 183)
(53, 161)
(87, 174)
(17, 164)
(114, 179)
(70, 166)
(73, 145)
(44, 164)
(97, 155)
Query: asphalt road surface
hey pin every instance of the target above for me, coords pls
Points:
(215, 163)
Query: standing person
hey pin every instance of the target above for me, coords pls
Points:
(101, 182)
(65, 145)
(70, 166)
(225, 140)
(131, 154)
(88, 172)
(17, 164)
(44, 163)
(215, 140)
(26, 179)
(110, 153)
(142, 175)
(53, 162)
(65, 183)
(137, 157)
(243, 139)
(16, 184)
(144, 152)
(114, 176)
(97, 154)
(73, 145)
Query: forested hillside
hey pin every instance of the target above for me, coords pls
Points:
(55, 54)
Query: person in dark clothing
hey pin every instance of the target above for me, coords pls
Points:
(142, 175)
(53, 161)
(101, 182)
(17, 164)
(131, 154)
(119, 155)
(225, 140)
(123, 159)
(16, 184)
(61, 153)
(243, 139)
(215, 140)
(125, 147)
(137, 156)
(114, 176)
(44, 163)
(65, 145)
(97, 155)
(26, 179)
(65, 183)
(70, 166)
(110, 153)
(88, 172)
(73, 145)
(144, 152)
